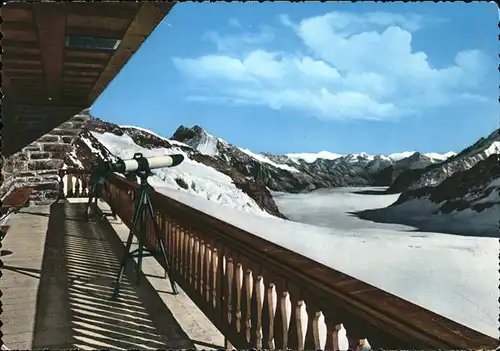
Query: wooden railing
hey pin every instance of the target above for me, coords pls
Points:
(263, 296)
(74, 183)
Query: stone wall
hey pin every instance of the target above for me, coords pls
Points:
(37, 164)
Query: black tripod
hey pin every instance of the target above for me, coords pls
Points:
(143, 205)
(98, 186)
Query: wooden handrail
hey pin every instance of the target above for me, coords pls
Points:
(261, 295)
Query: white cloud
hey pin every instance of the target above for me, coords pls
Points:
(356, 67)
(238, 42)
(234, 22)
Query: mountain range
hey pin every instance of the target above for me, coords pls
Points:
(453, 182)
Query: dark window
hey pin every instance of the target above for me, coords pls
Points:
(92, 43)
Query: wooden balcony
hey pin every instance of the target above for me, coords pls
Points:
(263, 296)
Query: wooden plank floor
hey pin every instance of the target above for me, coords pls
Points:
(57, 281)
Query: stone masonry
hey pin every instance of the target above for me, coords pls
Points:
(37, 164)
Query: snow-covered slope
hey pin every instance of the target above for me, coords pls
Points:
(201, 180)
(435, 173)
(466, 203)
(198, 175)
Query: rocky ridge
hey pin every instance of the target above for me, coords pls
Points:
(434, 174)
(81, 157)
(295, 173)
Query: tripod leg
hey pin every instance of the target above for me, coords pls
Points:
(126, 254)
(89, 203)
(142, 234)
(161, 243)
(96, 198)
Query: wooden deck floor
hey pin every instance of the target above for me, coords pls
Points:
(57, 281)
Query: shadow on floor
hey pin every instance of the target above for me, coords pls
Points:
(74, 305)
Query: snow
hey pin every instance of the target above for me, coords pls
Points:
(172, 142)
(441, 157)
(311, 157)
(207, 144)
(400, 155)
(72, 156)
(262, 158)
(202, 181)
(452, 275)
(494, 148)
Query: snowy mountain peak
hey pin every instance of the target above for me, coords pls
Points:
(311, 157)
(198, 139)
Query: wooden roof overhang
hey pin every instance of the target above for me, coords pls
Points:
(59, 57)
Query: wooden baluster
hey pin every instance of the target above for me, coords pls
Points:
(201, 271)
(259, 292)
(319, 331)
(215, 278)
(239, 285)
(272, 307)
(208, 271)
(187, 259)
(177, 246)
(363, 345)
(181, 251)
(77, 186)
(196, 269)
(191, 260)
(70, 190)
(169, 239)
(301, 324)
(286, 314)
(249, 292)
(229, 289)
(338, 335)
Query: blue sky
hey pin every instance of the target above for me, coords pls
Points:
(304, 77)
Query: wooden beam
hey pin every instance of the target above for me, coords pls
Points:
(13, 14)
(16, 57)
(6, 84)
(28, 78)
(144, 23)
(85, 65)
(86, 60)
(85, 73)
(94, 32)
(24, 69)
(102, 9)
(51, 25)
(17, 26)
(8, 44)
(97, 54)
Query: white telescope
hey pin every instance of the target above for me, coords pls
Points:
(140, 163)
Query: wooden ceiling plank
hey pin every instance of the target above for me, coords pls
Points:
(23, 69)
(99, 21)
(77, 52)
(10, 13)
(85, 65)
(94, 32)
(81, 73)
(51, 24)
(125, 10)
(87, 60)
(17, 26)
(8, 44)
(6, 84)
(14, 56)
